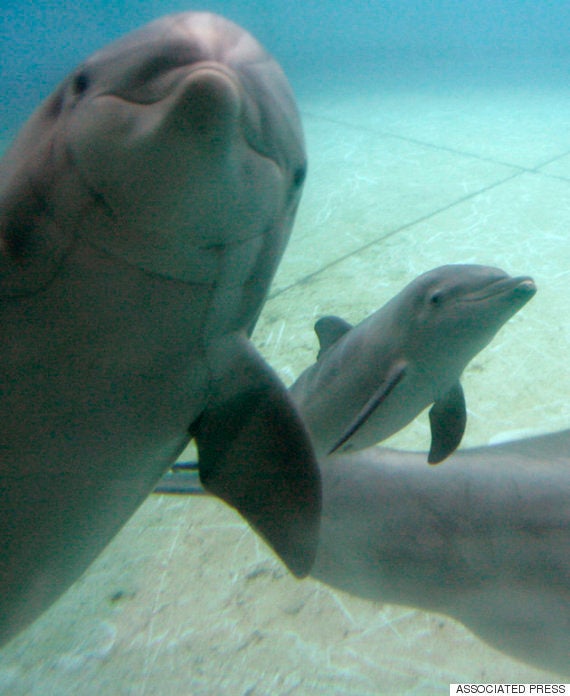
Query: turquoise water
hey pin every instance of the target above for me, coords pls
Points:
(436, 133)
(320, 44)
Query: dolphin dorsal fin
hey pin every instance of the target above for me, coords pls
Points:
(329, 329)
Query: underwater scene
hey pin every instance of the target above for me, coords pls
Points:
(436, 134)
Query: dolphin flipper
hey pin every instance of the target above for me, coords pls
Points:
(394, 377)
(447, 418)
(255, 453)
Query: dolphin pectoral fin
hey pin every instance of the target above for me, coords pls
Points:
(329, 330)
(255, 454)
(394, 377)
(447, 419)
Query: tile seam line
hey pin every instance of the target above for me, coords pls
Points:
(392, 233)
(442, 148)
(415, 141)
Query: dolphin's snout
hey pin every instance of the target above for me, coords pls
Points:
(209, 101)
(518, 291)
(522, 287)
(525, 288)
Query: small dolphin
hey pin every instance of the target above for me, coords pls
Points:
(371, 380)
(485, 540)
(144, 209)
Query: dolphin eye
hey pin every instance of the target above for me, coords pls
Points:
(80, 83)
(436, 298)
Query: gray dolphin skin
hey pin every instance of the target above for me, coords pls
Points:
(144, 208)
(484, 539)
(371, 380)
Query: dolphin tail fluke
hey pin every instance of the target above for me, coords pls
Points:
(447, 418)
(255, 454)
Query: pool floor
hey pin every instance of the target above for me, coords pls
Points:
(186, 599)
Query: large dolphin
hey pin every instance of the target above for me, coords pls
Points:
(371, 380)
(143, 211)
(484, 539)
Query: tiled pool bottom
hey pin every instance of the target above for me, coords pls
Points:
(186, 600)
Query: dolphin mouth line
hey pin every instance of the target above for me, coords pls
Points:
(504, 286)
(212, 66)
